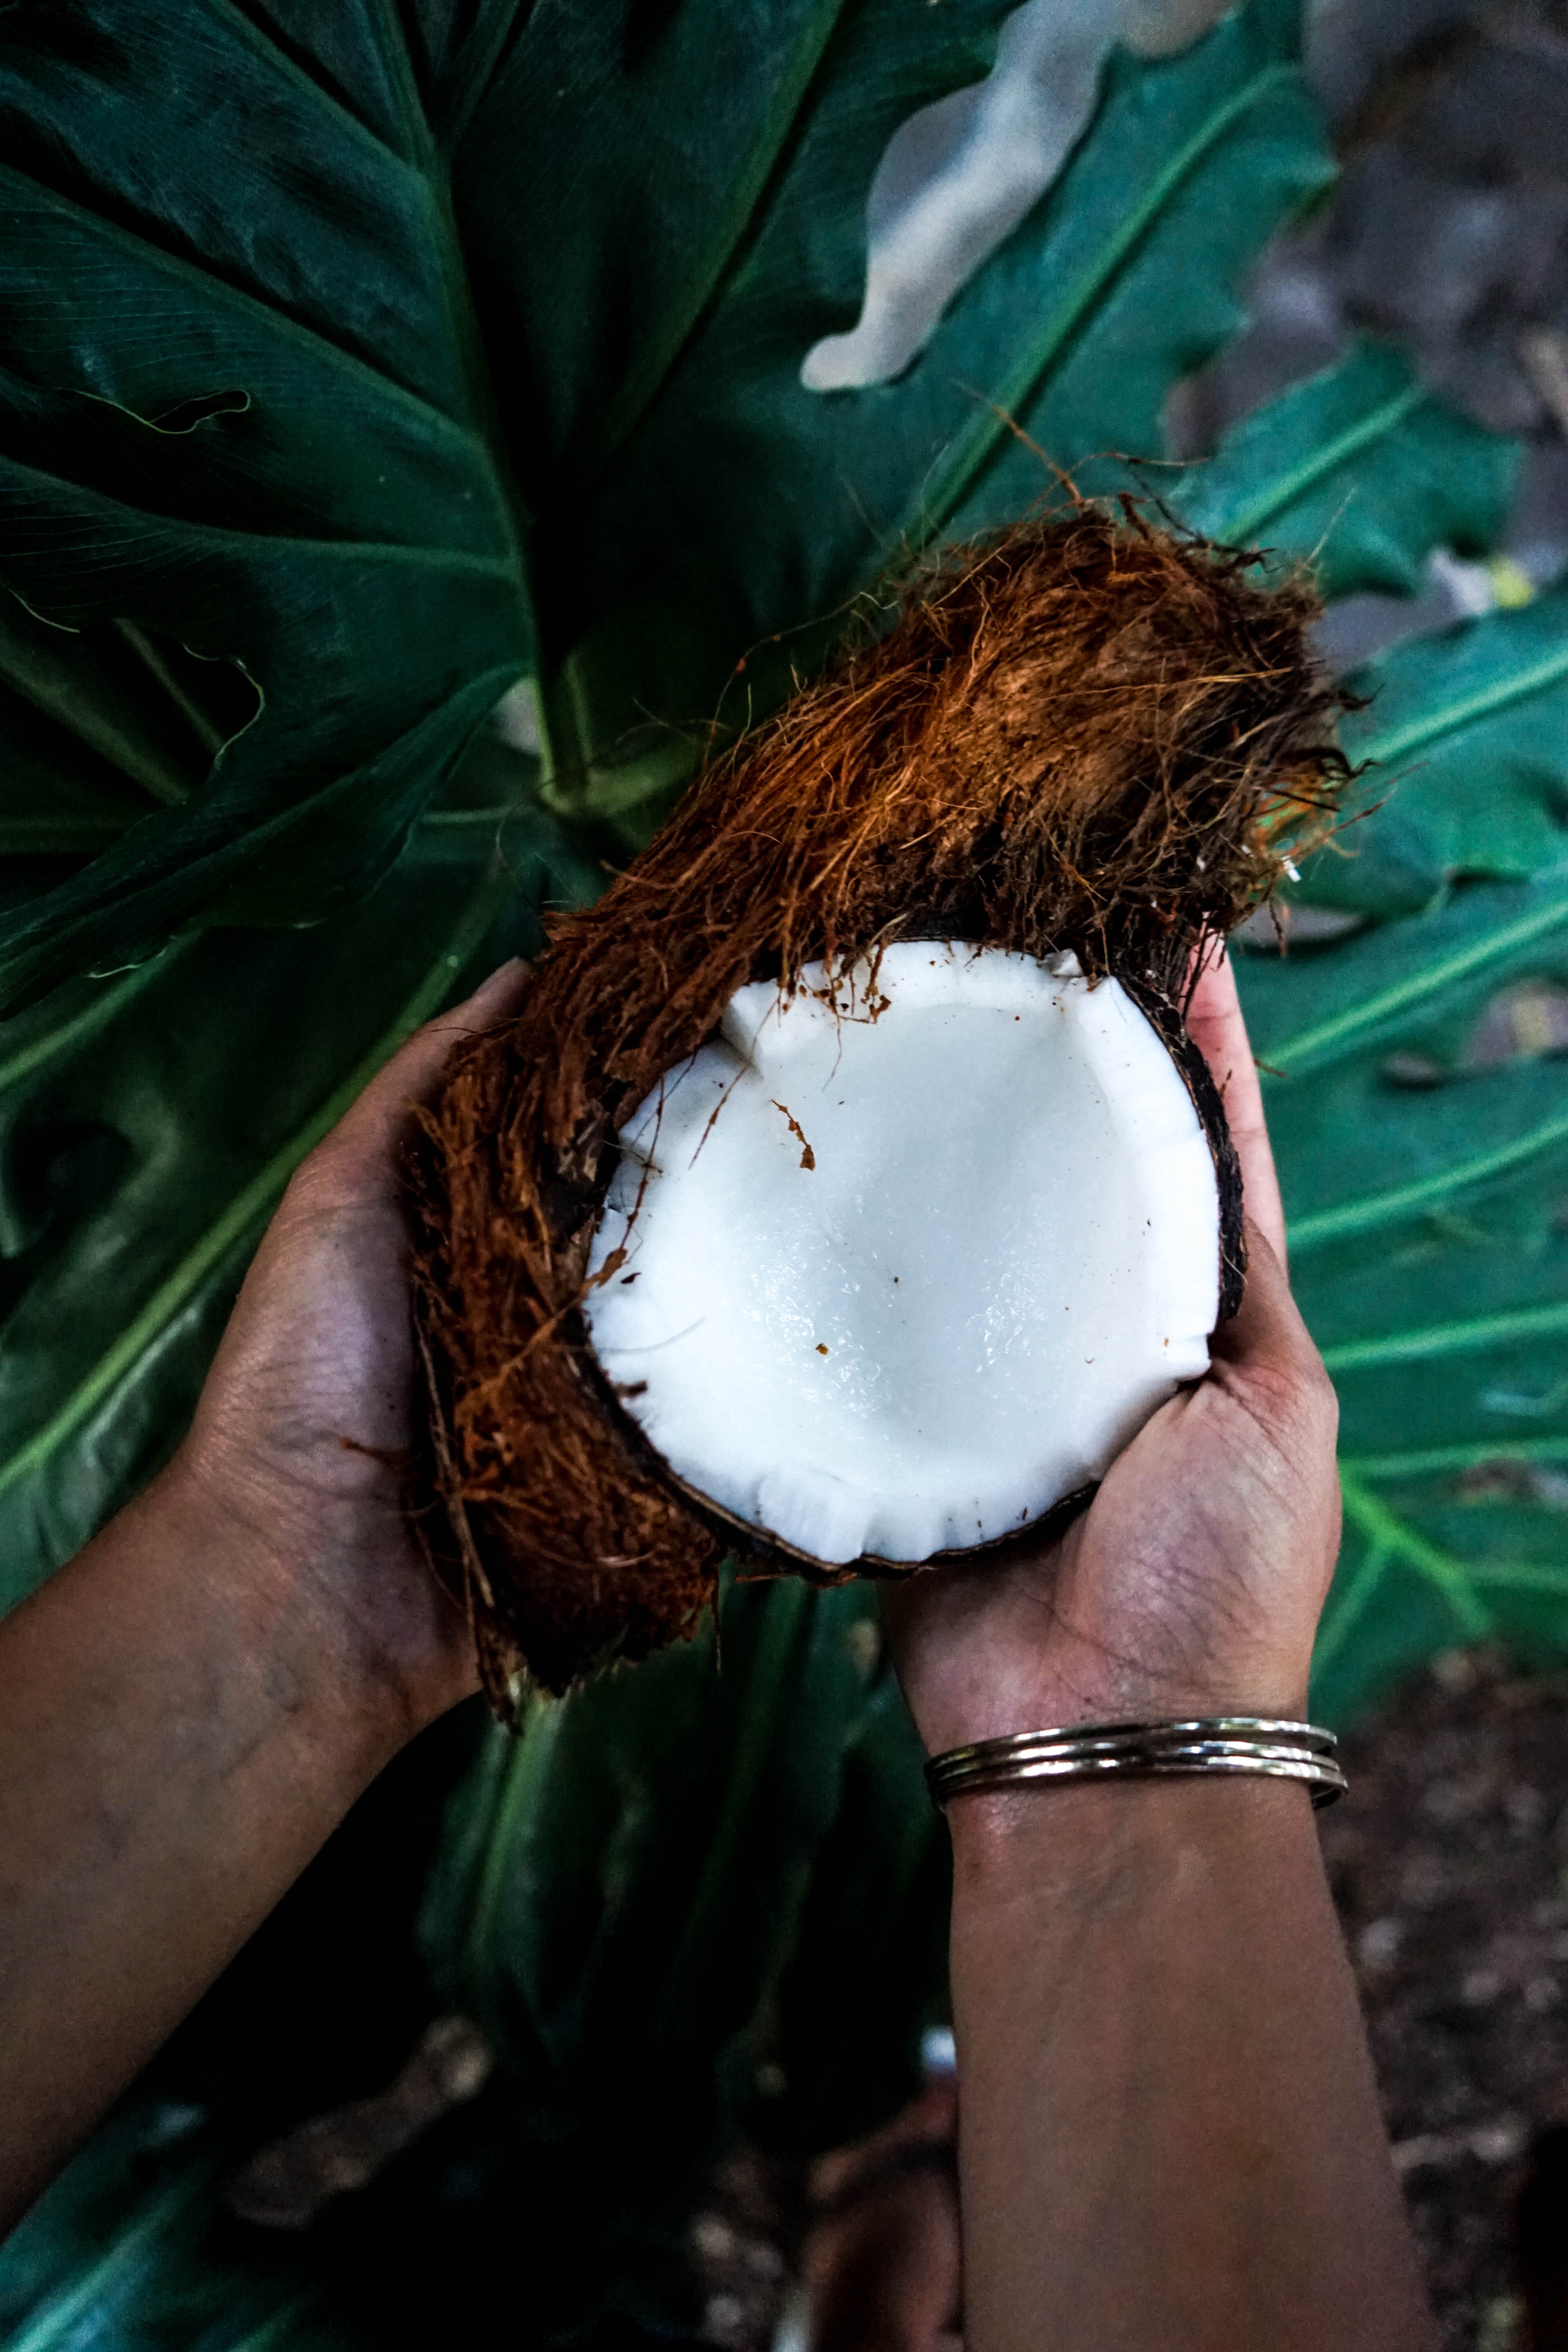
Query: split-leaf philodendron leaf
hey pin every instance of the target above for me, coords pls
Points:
(364, 366)
(1425, 1182)
(1424, 1156)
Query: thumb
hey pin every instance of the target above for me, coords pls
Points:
(375, 1125)
(1267, 1340)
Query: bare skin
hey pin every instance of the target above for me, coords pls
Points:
(1170, 2132)
(1170, 2135)
(190, 1707)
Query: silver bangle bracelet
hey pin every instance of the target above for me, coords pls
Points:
(1090, 1751)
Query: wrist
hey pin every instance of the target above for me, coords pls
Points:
(337, 1674)
(993, 1699)
(987, 1653)
(1078, 1840)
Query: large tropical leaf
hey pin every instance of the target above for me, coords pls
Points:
(374, 380)
(1424, 1183)
(1360, 473)
(766, 506)
(1430, 1256)
(1425, 1170)
(148, 1125)
(438, 352)
(1466, 739)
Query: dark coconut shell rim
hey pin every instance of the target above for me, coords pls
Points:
(770, 1552)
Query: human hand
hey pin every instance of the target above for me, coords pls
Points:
(292, 1474)
(1193, 1582)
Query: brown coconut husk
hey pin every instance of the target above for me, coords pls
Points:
(1090, 734)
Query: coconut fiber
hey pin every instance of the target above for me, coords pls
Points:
(1087, 734)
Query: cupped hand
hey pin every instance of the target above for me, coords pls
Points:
(295, 1465)
(1193, 1582)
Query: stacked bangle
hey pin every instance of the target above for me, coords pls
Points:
(1278, 1750)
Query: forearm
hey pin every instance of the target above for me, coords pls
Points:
(1168, 2129)
(183, 1729)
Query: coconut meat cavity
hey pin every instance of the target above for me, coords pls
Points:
(907, 1266)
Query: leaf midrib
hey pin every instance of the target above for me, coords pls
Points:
(642, 383)
(1358, 1215)
(950, 480)
(463, 322)
(1338, 1031)
(1463, 1336)
(1466, 711)
(1244, 526)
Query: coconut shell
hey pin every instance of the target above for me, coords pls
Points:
(1087, 734)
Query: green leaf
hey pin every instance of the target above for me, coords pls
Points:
(1466, 735)
(372, 378)
(763, 507)
(148, 1125)
(1361, 472)
(419, 377)
(1191, 163)
(624, 1890)
(778, 503)
(129, 2247)
(294, 474)
(1429, 1252)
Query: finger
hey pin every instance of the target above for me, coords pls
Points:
(417, 1068)
(1267, 1335)
(1217, 1029)
(378, 1121)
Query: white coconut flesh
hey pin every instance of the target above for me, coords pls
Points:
(906, 1268)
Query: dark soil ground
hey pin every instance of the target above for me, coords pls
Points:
(1449, 1862)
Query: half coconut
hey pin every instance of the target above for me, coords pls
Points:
(901, 1262)
(849, 1190)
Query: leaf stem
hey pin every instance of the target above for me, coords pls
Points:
(1382, 1526)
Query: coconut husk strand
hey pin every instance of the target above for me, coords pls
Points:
(1087, 736)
